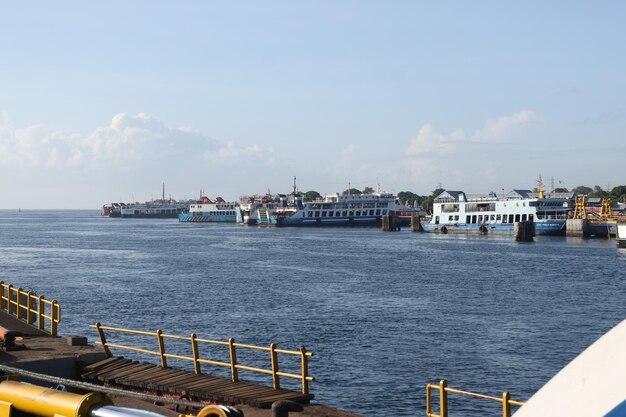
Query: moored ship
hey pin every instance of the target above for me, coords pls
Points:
(208, 211)
(456, 212)
(346, 210)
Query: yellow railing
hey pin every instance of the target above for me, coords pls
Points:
(443, 389)
(196, 342)
(30, 308)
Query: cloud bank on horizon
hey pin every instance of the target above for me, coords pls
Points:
(135, 152)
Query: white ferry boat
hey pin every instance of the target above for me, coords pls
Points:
(209, 211)
(456, 212)
(346, 210)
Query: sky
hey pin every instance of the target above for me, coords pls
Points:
(107, 101)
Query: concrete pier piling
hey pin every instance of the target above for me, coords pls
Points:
(390, 223)
(416, 224)
(524, 231)
(578, 227)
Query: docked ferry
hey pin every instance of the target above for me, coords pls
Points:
(209, 211)
(456, 212)
(158, 209)
(346, 210)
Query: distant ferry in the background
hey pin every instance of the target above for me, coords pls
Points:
(158, 209)
(155, 209)
(455, 212)
(347, 210)
(209, 211)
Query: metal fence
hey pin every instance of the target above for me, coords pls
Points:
(195, 343)
(443, 390)
(31, 308)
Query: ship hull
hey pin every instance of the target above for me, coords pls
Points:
(548, 228)
(206, 217)
(366, 221)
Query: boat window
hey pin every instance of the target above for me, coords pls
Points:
(450, 218)
(498, 217)
(317, 214)
(378, 212)
(474, 219)
(517, 217)
(384, 211)
(338, 213)
(358, 213)
(530, 217)
(456, 217)
(436, 219)
(371, 212)
(331, 213)
(468, 219)
(345, 213)
(351, 213)
(480, 219)
(523, 217)
(505, 218)
(310, 214)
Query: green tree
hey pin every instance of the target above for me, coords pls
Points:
(582, 190)
(368, 190)
(409, 198)
(311, 195)
(427, 202)
(352, 191)
(436, 192)
(598, 191)
(560, 190)
(618, 194)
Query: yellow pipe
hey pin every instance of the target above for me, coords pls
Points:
(48, 402)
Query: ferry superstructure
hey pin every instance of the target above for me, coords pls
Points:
(346, 210)
(209, 211)
(455, 212)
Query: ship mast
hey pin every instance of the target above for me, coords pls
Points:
(540, 187)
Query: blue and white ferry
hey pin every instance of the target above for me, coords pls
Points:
(346, 210)
(456, 212)
(209, 211)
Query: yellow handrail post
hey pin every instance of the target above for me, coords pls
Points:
(428, 400)
(18, 299)
(196, 355)
(103, 340)
(233, 360)
(443, 398)
(29, 314)
(41, 311)
(54, 319)
(9, 295)
(305, 370)
(2, 295)
(274, 356)
(159, 335)
(506, 405)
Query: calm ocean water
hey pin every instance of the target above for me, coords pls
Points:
(384, 313)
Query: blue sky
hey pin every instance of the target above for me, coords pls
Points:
(105, 102)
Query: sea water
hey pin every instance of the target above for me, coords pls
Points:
(384, 313)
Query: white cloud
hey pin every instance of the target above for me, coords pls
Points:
(128, 142)
(429, 141)
(501, 127)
